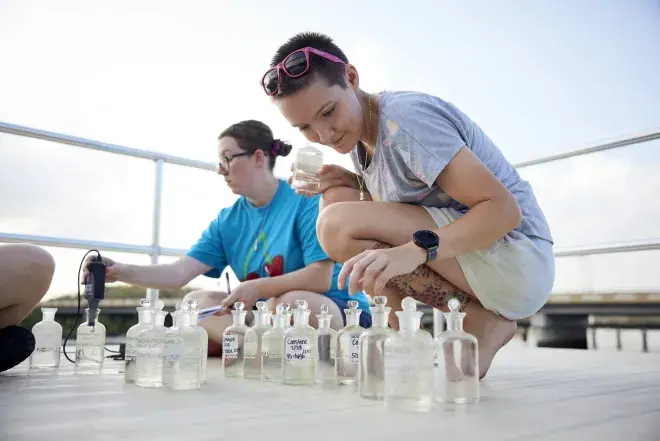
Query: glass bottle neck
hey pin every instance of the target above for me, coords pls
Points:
(409, 321)
(278, 320)
(92, 315)
(48, 314)
(238, 318)
(324, 322)
(301, 318)
(379, 319)
(184, 319)
(159, 318)
(353, 319)
(144, 315)
(455, 324)
(262, 319)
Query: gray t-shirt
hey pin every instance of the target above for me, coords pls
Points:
(419, 135)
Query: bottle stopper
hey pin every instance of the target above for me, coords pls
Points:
(262, 307)
(158, 304)
(409, 304)
(238, 306)
(301, 305)
(145, 303)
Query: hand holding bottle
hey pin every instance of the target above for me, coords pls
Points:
(331, 175)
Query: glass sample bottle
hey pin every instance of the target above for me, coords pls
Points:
(48, 341)
(144, 322)
(327, 346)
(203, 338)
(90, 345)
(371, 376)
(150, 347)
(273, 346)
(300, 351)
(182, 354)
(409, 363)
(348, 345)
(305, 169)
(253, 346)
(456, 361)
(232, 343)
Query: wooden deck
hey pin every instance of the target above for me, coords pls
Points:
(530, 394)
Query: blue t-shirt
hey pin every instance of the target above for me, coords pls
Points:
(268, 241)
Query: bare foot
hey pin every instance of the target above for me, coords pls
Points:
(499, 334)
(492, 331)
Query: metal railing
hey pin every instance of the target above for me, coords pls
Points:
(155, 250)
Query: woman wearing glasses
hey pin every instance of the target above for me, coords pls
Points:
(267, 237)
(435, 210)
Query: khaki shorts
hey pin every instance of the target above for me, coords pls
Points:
(513, 277)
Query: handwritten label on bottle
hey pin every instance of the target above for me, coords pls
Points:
(297, 349)
(354, 350)
(230, 346)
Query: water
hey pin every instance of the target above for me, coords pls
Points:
(327, 357)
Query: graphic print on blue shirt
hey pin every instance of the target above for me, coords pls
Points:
(268, 241)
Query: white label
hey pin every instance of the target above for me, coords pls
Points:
(354, 350)
(230, 346)
(297, 349)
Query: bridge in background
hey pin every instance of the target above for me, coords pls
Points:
(563, 321)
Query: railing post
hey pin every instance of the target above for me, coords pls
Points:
(152, 294)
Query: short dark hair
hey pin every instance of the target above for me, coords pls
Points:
(252, 135)
(332, 73)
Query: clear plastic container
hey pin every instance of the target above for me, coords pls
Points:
(305, 169)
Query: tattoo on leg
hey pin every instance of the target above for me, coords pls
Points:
(426, 285)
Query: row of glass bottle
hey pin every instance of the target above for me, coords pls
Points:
(407, 369)
(175, 356)
(155, 355)
(90, 343)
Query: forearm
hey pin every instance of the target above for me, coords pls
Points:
(315, 277)
(160, 276)
(479, 228)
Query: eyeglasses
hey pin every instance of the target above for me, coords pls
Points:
(295, 65)
(225, 161)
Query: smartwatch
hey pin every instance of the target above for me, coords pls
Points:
(428, 241)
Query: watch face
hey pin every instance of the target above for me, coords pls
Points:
(426, 238)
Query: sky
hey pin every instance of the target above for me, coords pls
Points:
(539, 77)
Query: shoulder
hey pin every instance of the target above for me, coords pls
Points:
(293, 202)
(414, 109)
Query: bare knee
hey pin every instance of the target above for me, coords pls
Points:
(205, 298)
(35, 260)
(332, 232)
(314, 303)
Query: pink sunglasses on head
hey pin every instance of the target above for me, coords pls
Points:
(295, 65)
